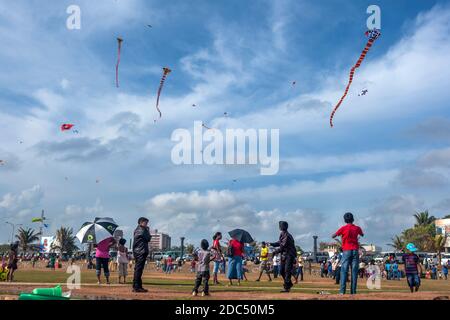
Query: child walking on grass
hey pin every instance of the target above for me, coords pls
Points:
(203, 258)
(412, 267)
(122, 260)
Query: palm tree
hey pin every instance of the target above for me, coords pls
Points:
(397, 243)
(439, 245)
(189, 248)
(65, 241)
(26, 239)
(423, 218)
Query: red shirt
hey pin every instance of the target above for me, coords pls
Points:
(238, 248)
(349, 234)
(216, 244)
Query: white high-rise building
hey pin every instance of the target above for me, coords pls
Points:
(160, 241)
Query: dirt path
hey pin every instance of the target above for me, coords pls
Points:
(114, 292)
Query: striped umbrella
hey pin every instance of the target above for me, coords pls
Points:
(97, 231)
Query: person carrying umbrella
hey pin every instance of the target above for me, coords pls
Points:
(100, 233)
(102, 258)
(235, 253)
(140, 252)
(286, 247)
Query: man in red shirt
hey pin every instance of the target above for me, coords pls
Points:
(350, 251)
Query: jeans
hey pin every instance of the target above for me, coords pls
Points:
(350, 259)
(275, 271)
(216, 266)
(102, 263)
(202, 276)
(138, 270)
(299, 273)
(395, 275)
(337, 273)
(413, 280)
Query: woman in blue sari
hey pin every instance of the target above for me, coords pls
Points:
(235, 261)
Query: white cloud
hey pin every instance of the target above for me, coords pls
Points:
(21, 205)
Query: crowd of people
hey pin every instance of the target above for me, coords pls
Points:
(276, 259)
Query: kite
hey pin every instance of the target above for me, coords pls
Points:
(2, 162)
(76, 131)
(37, 220)
(194, 105)
(119, 43)
(363, 92)
(166, 71)
(225, 114)
(149, 25)
(66, 126)
(373, 35)
(206, 127)
(294, 83)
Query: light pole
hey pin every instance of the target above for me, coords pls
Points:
(182, 247)
(13, 229)
(315, 248)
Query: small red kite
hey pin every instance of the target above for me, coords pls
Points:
(66, 126)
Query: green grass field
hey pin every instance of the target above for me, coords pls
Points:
(182, 283)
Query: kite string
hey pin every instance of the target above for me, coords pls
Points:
(352, 72)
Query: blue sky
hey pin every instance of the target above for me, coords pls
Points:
(387, 156)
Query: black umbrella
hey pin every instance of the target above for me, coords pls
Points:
(241, 235)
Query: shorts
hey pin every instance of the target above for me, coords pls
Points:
(123, 269)
(216, 266)
(264, 265)
(413, 280)
(12, 266)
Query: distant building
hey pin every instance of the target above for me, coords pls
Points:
(371, 248)
(160, 241)
(330, 247)
(443, 227)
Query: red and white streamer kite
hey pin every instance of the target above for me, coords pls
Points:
(166, 71)
(373, 35)
(119, 49)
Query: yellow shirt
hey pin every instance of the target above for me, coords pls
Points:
(264, 254)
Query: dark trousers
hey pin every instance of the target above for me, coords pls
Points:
(286, 267)
(138, 270)
(202, 276)
(102, 263)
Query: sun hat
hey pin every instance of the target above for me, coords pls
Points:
(411, 247)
